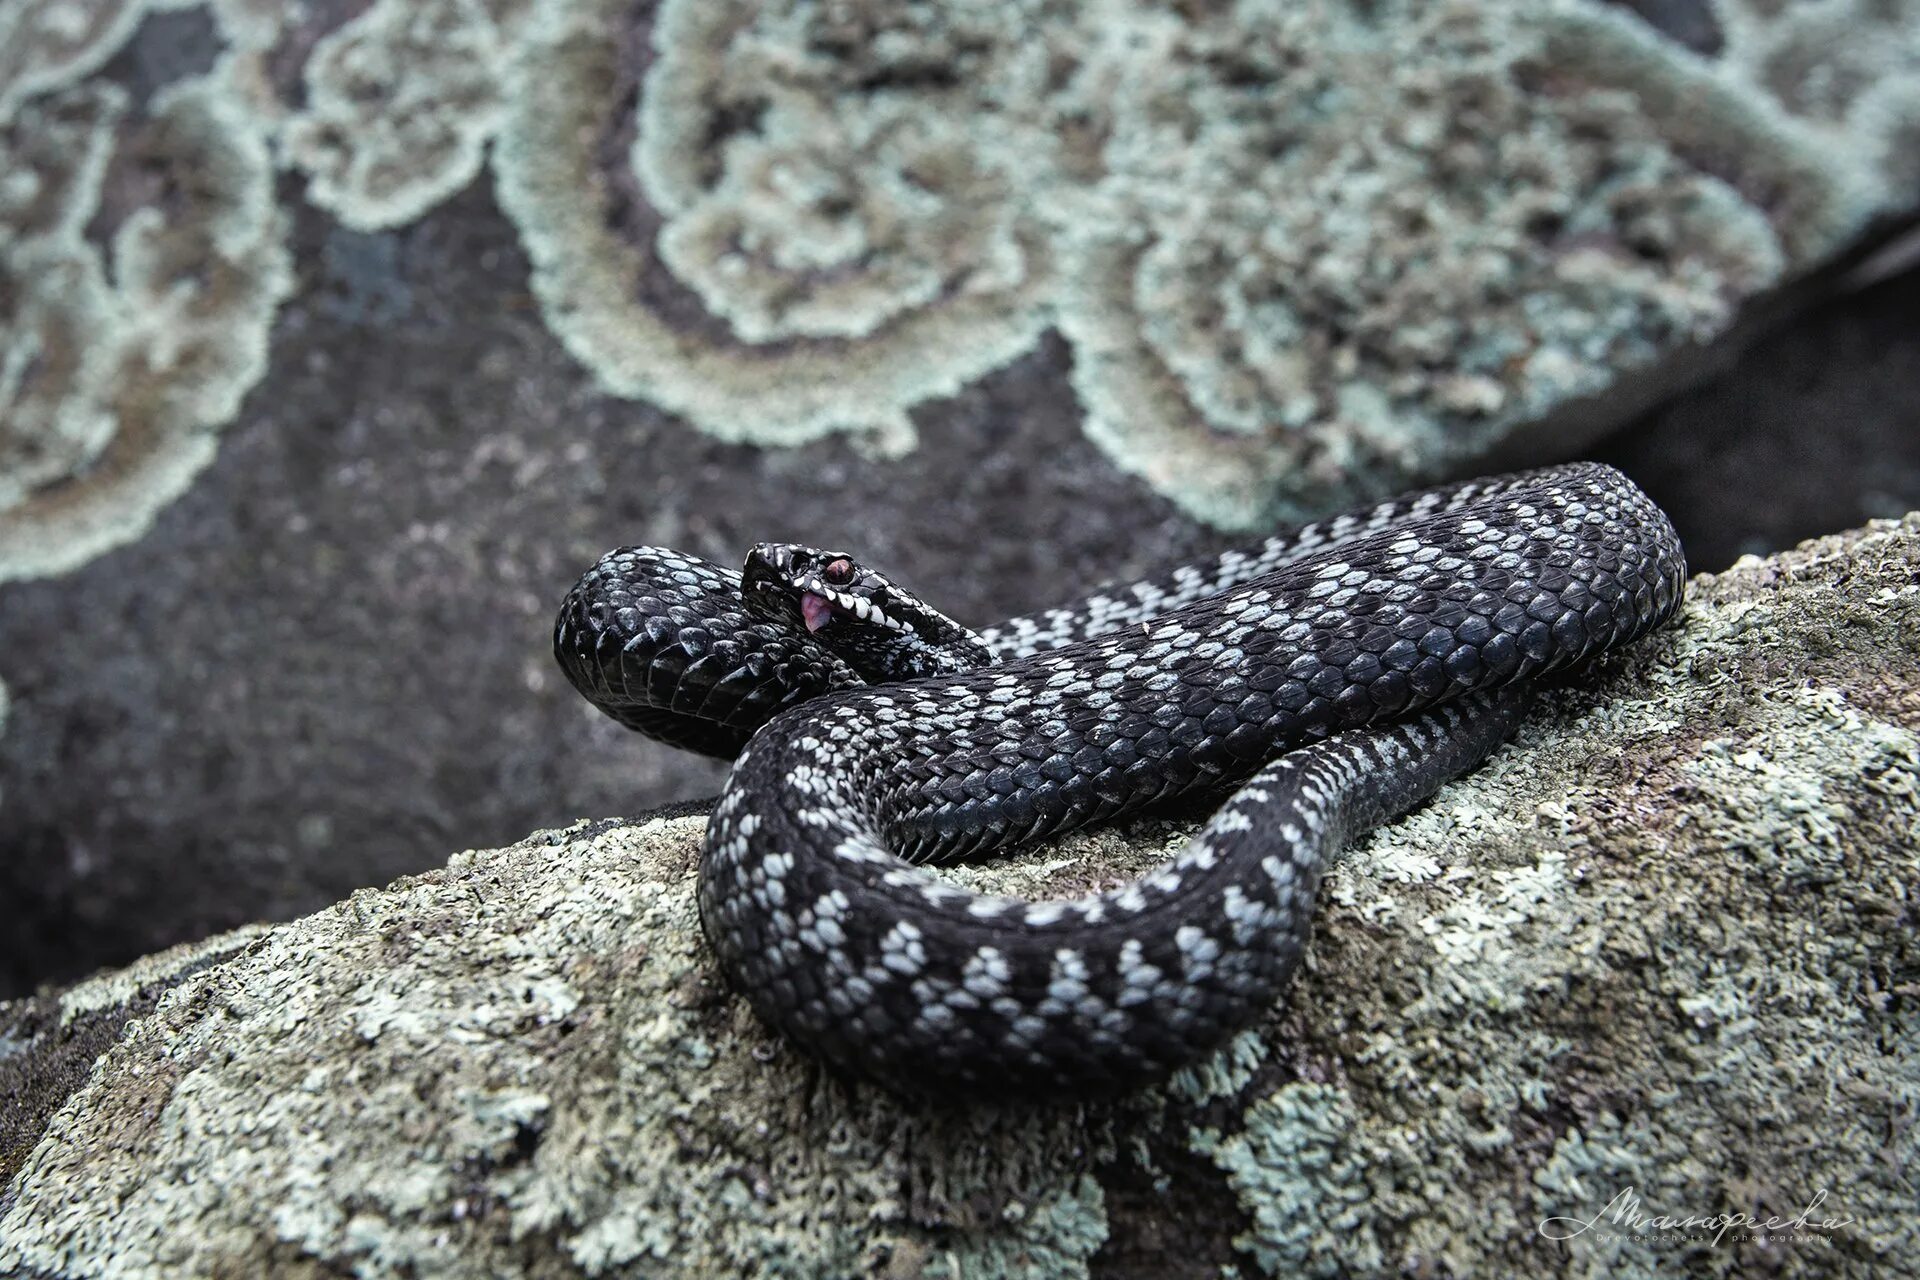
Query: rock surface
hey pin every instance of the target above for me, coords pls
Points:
(1666, 941)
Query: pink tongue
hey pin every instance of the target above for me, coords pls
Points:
(816, 610)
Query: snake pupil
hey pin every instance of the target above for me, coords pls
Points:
(839, 572)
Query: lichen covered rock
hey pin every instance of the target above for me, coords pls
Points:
(1664, 945)
(1301, 252)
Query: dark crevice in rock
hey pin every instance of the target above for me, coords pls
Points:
(1690, 23)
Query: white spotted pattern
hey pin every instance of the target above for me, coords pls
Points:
(1337, 674)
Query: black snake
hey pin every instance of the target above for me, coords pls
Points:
(1338, 674)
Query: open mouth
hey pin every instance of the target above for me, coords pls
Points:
(780, 582)
(820, 603)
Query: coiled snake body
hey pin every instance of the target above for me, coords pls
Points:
(1337, 674)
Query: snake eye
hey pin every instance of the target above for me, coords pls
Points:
(838, 571)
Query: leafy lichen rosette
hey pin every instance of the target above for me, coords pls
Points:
(398, 107)
(805, 226)
(1362, 245)
(141, 260)
(1300, 252)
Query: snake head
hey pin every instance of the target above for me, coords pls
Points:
(879, 628)
(814, 589)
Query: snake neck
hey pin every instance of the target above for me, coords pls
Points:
(888, 659)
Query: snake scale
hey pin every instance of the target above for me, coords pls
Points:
(1324, 681)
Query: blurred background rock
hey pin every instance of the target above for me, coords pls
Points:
(337, 338)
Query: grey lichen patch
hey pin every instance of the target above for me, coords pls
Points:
(823, 221)
(1664, 941)
(1356, 244)
(859, 250)
(1297, 1169)
(400, 104)
(1822, 62)
(1892, 113)
(46, 44)
(53, 160)
(1299, 252)
(141, 247)
(1224, 1074)
(50, 1042)
(117, 988)
(120, 362)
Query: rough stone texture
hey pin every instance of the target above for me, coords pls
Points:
(1666, 941)
(49, 1043)
(322, 662)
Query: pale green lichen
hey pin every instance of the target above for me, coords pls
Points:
(118, 365)
(1823, 62)
(1224, 1074)
(120, 362)
(835, 231)
(589, 1089)
(116, 988)
(1299, 252)
(47, 44)
(789, 237)
(1359, 245)
(400, 104)
(822, 222)
(52, 160)
(1678, 934)
(1304, 1182)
